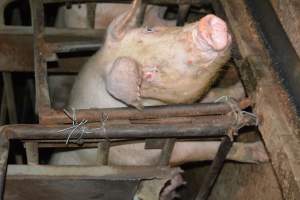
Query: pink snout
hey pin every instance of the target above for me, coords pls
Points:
(213, 31)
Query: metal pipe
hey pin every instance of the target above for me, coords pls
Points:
(4, 147)
(67, 47)
(128, 1)
(214, 169)
(214, 126)
(40, 66)
(151, 112)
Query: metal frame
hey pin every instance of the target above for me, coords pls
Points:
(216, 125)
(271, 102)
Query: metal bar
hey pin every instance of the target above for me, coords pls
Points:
(214, 169)
(287, 62)
(214, 127)
(40, 67)
(166, 152)
(3, 111)
(32, 153)
(51, 31)
(128, 1)
(141, 14)
(151, 112)
(183, 11)
(4, 147)
(103, 152)
(91, 172)
(91, 14)
(10, 97)
(67, 47)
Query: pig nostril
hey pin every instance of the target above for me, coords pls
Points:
(214, 31)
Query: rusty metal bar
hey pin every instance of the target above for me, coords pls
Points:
(287, 62)
(183, 11)
(67, 47)
(40, 67)
(141, 15)
(214, 126)
(103, 152)
(10, 97)
(91, 172)
(52, 31)
(91, 14)
(151, 112)
(128, 1)
(16, 49)
(32, 153)
(214, 170)
(4, 147)
(3, 110)
(166, 152)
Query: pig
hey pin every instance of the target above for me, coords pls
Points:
(142, 66)
(76, 16)
(152, 66)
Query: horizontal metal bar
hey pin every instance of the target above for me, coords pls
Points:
(18, 42)
(68, 47)
(216, 126)
(128, 1)
(90, 172)
(50, 31)
(151, 112)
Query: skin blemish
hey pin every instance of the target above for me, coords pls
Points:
(189, 62)
(148, 76)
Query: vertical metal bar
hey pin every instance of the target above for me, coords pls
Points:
(91, 14)
(141, 15)
(4, 146)
(183, 11)
(285, 62)
(32, 153)
(166, 152)
(214, 169)
(40, 67)
(3, 111)
(103, 153)
(10, 97)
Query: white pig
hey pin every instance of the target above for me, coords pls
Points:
(162, 65)
(150, 66)
(76, 16)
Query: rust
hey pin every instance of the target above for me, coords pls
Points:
(16, 49)
(151, 112)
(202, 127)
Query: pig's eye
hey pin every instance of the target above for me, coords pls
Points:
(149, 29)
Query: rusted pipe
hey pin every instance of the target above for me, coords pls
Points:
(4, 147)
(216, 126)
(215, 169)
(151, 112)
(128, 1)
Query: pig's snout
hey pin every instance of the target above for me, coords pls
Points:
(213, 32)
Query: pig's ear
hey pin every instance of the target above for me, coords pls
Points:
(120, 25)
(123, 81)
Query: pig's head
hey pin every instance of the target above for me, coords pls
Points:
(169, 64)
